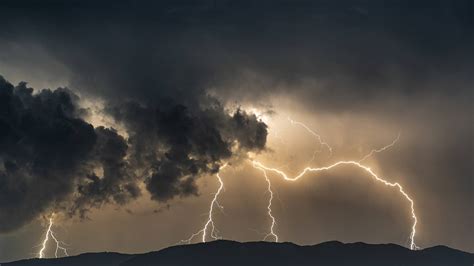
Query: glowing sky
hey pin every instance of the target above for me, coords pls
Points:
(358, 74)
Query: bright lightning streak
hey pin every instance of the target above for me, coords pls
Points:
(367, 169)
(269, 209)
(381, 149)
(269, 187)
(210, 222)
(49, 232)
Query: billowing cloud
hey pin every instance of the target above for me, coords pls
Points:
(175, 144)
(117, 182)
(48, 155)
(50, 158)
(43, 147)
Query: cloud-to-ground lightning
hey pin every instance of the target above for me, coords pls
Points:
(271, 233)
(210, 221)
(264, 169)
(49, 233)
(367, 169)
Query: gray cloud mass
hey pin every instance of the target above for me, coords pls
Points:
(49, 155)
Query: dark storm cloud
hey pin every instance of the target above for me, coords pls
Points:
(43, 145)
(52, 159)
(135, 66)
(176, 145)
(48, 153)
(117, 183)
(337, 56)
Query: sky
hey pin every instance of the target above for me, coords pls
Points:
(117, 117)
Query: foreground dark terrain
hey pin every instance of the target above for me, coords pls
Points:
(263, 253)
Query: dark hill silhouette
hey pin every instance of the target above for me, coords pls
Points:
(86, 259)
(274, 254)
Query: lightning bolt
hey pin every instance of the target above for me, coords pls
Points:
(210, 222)
(320, 141)
(49, 232)
(367, 169)
(269, 209)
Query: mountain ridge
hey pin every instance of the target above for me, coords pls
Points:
(227, 252)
